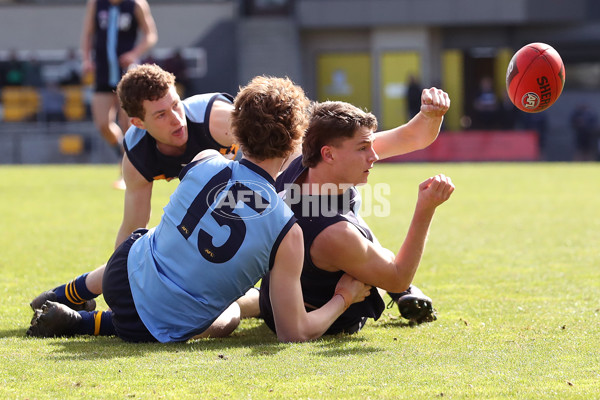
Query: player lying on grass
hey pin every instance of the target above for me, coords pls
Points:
(223, 229)
(166, 134)
(339, 148)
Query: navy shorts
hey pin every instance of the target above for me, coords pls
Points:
(117, 294)
(100, 88)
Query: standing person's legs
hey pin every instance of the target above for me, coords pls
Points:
(104, 113)
(105, 108)
(122, 119)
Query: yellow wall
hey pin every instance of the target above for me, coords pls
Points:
(345, 77)
(452, 83)
(503, 57)
(396, 68)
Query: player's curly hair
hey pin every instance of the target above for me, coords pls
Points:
(330, 123)
(269, 118)
(143, 82)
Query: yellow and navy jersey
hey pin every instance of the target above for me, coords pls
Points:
(141, 148)
(314, 213)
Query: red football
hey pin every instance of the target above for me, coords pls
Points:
(535, 77)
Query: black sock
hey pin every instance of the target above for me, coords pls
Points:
(395, 296)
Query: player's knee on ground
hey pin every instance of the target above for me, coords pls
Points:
(224, 325)
(249, 305)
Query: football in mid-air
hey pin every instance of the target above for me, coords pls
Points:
(535, 77)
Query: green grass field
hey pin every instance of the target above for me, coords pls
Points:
(512, 263)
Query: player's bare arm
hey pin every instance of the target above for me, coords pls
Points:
(417, 133)
(206, 154)
(342, 247)
(87, 35)
(138, 194)
(293, 323)
(149, 34)
(220, 122)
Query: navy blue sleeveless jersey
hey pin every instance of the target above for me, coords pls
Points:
(218, 236)
(314, 213)
(141, 149)
(115, 33)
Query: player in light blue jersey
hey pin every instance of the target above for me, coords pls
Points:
(223, 229)
(225, 221)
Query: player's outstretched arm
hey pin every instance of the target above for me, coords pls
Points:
(292, 322)
(432, 192)
(342, 247)
(137, 208)
(417, 133)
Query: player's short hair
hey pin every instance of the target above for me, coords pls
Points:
(143, 82)
(269, 118)
(331, 122)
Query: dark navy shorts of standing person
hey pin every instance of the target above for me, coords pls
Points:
(117, 294)
(104, 88)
